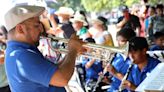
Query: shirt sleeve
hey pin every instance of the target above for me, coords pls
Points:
(35, 67)
(118, 62)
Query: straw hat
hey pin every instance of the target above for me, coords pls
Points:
(18, 14)
(79, 17)
(65, 10)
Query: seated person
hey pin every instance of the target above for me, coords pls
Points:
(79, 24)
(99, 31)
(143, 64)
(158, 41)
(92, 67)
(119, 64)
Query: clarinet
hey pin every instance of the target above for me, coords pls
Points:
(125, 77)
(104, 72)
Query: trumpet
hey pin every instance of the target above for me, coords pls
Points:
(95, 51)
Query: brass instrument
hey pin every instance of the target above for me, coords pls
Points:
(95, 51)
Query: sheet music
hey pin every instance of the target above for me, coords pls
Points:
(154, 81)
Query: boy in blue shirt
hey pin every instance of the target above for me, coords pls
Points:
(158, 41)
(143, 64)
(92, 68)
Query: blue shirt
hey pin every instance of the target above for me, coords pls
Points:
(27, 69)
(136, 76)
(94, 70)
(121, 65)
(155, 47)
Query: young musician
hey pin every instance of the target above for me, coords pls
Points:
(143, 64)
(120, 64)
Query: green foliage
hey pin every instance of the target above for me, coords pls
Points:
(99, 5)
(74, 4)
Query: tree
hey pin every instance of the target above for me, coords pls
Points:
(74, 4)
(99, 5)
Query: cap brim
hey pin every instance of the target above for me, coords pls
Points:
(96, 21)
(74, 20)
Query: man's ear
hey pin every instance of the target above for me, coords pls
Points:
(19, 28)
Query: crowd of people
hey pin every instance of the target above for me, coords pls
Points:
(29, 64)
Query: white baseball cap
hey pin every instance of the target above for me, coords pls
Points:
(20, 13)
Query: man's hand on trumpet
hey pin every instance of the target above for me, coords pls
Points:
(75, 44)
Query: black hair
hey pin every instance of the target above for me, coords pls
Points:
(91, 40)
(104, 20)
(147, 7)
(159, 6)
(127, 33)
(138, 43)
(145, 1)
(3, 28)
(152, 7)
(158, 35)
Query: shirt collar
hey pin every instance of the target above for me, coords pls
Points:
(148, 66)
(20, 44)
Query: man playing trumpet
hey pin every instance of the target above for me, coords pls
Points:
(27, 69)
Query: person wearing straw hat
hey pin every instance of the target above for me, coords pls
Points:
(26, 68)
(79, 24)
(65, 27)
